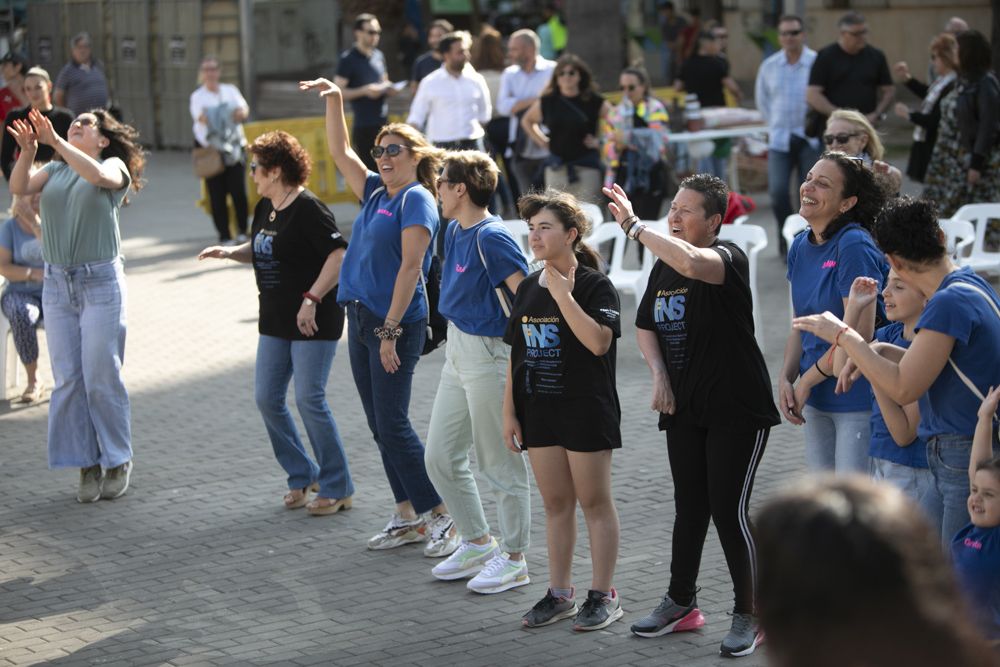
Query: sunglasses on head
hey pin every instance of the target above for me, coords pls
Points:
(790, 33)
(392, 150)
(831, 139)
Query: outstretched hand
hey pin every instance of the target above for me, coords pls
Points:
(324, 86)
(24, 134)
(825, 326)
(43, 128)
(620, 206)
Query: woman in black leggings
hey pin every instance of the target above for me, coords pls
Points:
(713, 393)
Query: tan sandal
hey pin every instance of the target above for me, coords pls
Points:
(321, 506)
(33, 394)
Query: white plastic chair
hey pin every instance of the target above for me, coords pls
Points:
(519, 229)
(740, 219)
(980, 259)
(594, 212)
(794, 224)
(751, 239)
(959, 236)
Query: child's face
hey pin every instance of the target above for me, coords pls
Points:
(902, 302)
(984, 499)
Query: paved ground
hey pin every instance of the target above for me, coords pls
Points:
(201, 564)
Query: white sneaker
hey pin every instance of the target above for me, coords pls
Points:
(441, 540)
(397, 532)
(467, 560)
(499, 575)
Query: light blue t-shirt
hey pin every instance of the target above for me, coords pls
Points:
(375, 254)
(25, 250)
(882, 445)
(79, 220)
(821, 277)
(966, 316)
(467, 287)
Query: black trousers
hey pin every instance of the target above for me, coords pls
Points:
(362, 140)
(713, 473)
(231, 182)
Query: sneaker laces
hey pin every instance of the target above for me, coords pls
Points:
(742, 624)
(494, 566)
(591, 604)
(440, 525)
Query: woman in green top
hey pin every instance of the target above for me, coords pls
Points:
(84, 290)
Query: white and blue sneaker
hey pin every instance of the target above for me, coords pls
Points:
(466, 561)
(499, 575)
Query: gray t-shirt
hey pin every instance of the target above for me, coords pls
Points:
(79, 220)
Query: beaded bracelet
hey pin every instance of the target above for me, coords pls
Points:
(635, 230)
(388, 333)
(628, 223)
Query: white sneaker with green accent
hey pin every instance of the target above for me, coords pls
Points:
(467, 560)
(499, 575)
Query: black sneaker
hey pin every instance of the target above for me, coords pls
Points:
(669, 617)
(598, 611)
(743, 638)
(549, 610)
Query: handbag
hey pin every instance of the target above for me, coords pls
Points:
(207, 162)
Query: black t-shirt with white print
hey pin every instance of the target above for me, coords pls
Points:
(706, 336)
(288, 255)
(548, 362)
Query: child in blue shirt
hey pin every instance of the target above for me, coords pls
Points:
(976, 548)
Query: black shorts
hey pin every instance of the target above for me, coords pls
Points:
(578, 425)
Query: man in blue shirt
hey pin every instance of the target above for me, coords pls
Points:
(362, 76)
(780, 94)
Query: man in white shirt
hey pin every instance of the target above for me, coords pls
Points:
(780, 94)
(520, 85)
(453, 103)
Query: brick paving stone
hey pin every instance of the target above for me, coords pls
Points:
(201, 565)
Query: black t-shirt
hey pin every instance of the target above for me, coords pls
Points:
(61, 120)
(423, 66)
(850, 81)
(570, 120)
(360, 70)
(703, 75)
(287, 257)
(706, 335)
(548, 362)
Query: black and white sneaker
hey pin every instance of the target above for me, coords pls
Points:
(549, 610)
(598, 611)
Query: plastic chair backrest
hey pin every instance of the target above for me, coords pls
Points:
(751, 239)
(981, 259)
(959, 236)
(794, 224)
(519, 230)
(594, 212)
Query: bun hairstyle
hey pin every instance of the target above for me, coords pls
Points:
(567, 210)
(908, 229)
(430, 156)
(860, 182)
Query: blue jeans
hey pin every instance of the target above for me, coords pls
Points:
(89, 414)
(801, 157)
(308, 362)
(386, 400)
(837, 441)
(917, 483)
(948, 457)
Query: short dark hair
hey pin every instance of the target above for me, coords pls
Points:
(443, 24)
(908, 229)
(851, 18)
(791, 17)
(974, 54)
(361, 19)
(860, 182)
(476, 171)
(666, 4)
(280, 149)
(444, 46)
(714, 194)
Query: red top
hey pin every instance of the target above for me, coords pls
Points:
(8, 102)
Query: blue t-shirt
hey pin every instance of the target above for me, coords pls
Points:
(966, 316)
(375, 254)
(467, 287)
(360, 70)
(976, 555)
(25, 250)
(882, 444)
(821, 277)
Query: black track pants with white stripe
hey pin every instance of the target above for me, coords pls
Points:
(713, 472)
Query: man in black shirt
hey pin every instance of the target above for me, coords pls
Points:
(38, 88)
(431, 60)
(849, 74)
(362, 76)
(706, 73)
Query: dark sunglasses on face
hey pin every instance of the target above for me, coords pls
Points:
(857, 33)
(630, 87)
(85, 121)
(392, 150)
(374, 32)
(253, 167)
(831, 139)
(790, 33)
(568, 72)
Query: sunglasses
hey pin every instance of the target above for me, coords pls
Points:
(790, 33)
(568, 72)
(857, 33)
(442, 179)
(392, 150)
(374, 32)
(86, 121)
(253, 167)
(630, 87)
(831, 139)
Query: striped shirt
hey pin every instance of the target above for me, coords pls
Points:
(780, 94)
(85, 86)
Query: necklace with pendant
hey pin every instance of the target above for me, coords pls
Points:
(274, 209)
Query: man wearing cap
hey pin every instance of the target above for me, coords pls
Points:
(38, 89)
(81, 84)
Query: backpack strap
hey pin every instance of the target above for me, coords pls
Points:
(502, 297)
(996, 309)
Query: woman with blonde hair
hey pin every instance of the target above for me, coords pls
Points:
(382, 285)
(848, 131)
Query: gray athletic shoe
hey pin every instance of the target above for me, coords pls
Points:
(90, 485)
(116, 481)
(669, 617)
(743, 638)
(549, 610)
(598, 611)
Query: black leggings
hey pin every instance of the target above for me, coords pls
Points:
(230, 182)
(713, 473)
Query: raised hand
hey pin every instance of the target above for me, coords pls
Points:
(902, 70)
(24, 135)
(324, 86)
(43, 128)
(988, 409)
(620, 206)
(864, 291)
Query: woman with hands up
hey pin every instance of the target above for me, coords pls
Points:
(561, 404)
(83, 293)
(711, 387)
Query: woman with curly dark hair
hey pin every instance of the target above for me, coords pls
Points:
(83, 294)
(296, 251)
(840, 199)
(571, 108)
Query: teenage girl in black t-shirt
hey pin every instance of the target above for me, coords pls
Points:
(695, 329)
(561, 404)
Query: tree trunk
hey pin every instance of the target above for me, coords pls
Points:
(597, 34)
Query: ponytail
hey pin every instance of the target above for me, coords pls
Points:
(587, 256)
